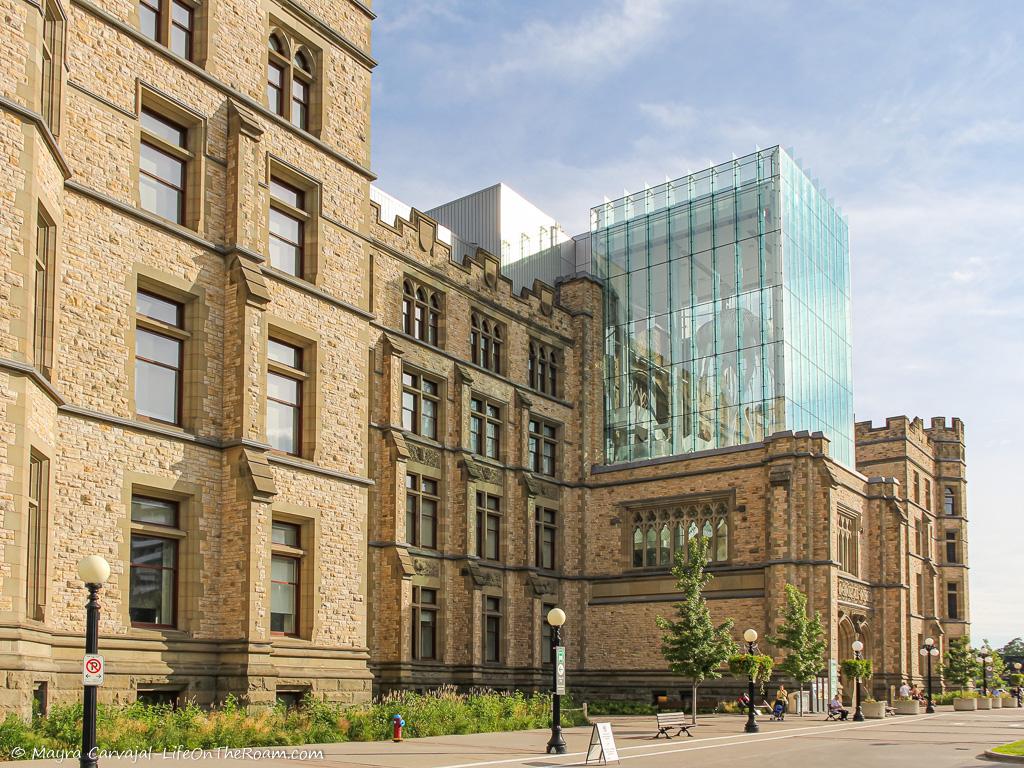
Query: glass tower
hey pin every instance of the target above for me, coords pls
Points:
(727, 311)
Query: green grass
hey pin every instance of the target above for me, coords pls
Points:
(1015, 748)
(138, 726)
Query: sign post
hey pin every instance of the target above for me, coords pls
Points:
(560, 670)
(602, 745)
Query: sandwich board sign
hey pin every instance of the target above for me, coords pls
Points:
(92, 669)
(560, 670)
(602, 745)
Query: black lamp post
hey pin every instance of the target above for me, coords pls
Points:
(750, 637)
(984, 658)
(1020, 689)
(929, 651)
(858, 714)
(556, 744)
(94, 571)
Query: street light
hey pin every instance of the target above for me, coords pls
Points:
(984, 658)
(1020, 689)
(929, 651)
(858, 714)
(750, 638)
(94, 571)
(556, 744)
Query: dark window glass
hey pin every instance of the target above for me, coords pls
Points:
(36, 540)
(275, 88)
(542, 442)
(420, 405)
(952, 601)
(488, 526)
(41, 295)
(424, 623)
(546, 529)
(154, 562)
(421, 312)
(949, 502)
(485, 428)
(492, 629)
(421, 504)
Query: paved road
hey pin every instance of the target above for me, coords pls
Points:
(944, 740)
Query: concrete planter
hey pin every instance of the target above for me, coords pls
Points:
(965, 705)
(984, 703)
(997, 703)
(873, 710)
(907, 708)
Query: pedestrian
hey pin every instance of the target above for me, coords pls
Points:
(905, 692)
(835, 707)
(782, 697)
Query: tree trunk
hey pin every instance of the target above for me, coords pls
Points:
(693, 703)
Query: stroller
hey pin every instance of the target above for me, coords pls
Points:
(779, 711)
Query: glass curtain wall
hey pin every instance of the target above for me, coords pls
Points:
(696, 303)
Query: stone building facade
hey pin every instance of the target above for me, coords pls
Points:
(319, 454)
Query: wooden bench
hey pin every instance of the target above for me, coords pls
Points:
(669, 720)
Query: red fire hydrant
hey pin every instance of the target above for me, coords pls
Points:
(397, 723)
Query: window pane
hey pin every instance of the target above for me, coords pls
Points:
(284, 573)
(285, 533)
(286, 354)
(157, 511)
(160, 126)
(283, 388)
(156, 392)
(157, 308)
(148, 21)
(151, 597)
(283, 427)
(181, 14)
(161, 199)
(181, 42)
(429, 418)
(286, 227)
(285, 256)
(408, 411)
(157, 348)
(286, 193)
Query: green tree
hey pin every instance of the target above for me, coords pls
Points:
(693, 646)
(961, 666)
(1013, 648)
(803, 636)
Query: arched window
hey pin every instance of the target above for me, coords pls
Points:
(290, 80)
(421, 311)
(660, 535)
(543, 368)
(949, 502)
(485, 342)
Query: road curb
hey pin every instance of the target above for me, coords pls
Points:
(990, 755)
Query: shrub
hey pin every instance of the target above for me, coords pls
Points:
(620, 708)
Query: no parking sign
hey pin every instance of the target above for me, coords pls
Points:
(92, 669)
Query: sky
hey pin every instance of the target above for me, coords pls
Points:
(910, 114)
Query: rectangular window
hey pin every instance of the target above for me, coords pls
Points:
(546, 529)
(952, 548)
(421, 311)
(288, 218)
(849, 544)
(52, 59)
(41, 331)
(159, 357)
(917, 488)
(928, 494)
(543, 368)
(485, 428)
(154, 563)
(285, 567)
(421, 404)
(545, 634)
(36, 539)
(421, 504)
(424, 623)
(543, 446)
(170, 23)
(953, 600)
(163, 166)
(488, 526)
(486, 342)
(285, 378)
(920, 594)
(948, 502)
(492, 629)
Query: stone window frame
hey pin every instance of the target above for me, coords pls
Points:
(295, 553)
(953, 591)
(281, 330)
(492, 611)
(917, 487)
(416, 392)
(283, 172)
(420, 297)
(483, 513)
(535, 459)
(484, 420)
(949, 502)
(544, 367)
(928, 494)
(176, 333)
(52, 48)
(292, 46)
(37, 539)
(418, 493)
(167, 107)
(848, 549)
(43, 266)
(310, 575)
(175, 533)
(546, 659)
(197, 30)
(681, 521)
(191, 571)
(952, 538)
(487, 342)
(192, 297)
(418, 607)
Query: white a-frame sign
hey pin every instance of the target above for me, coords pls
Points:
(602, 745)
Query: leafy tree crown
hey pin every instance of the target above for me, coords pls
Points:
(802, 636)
